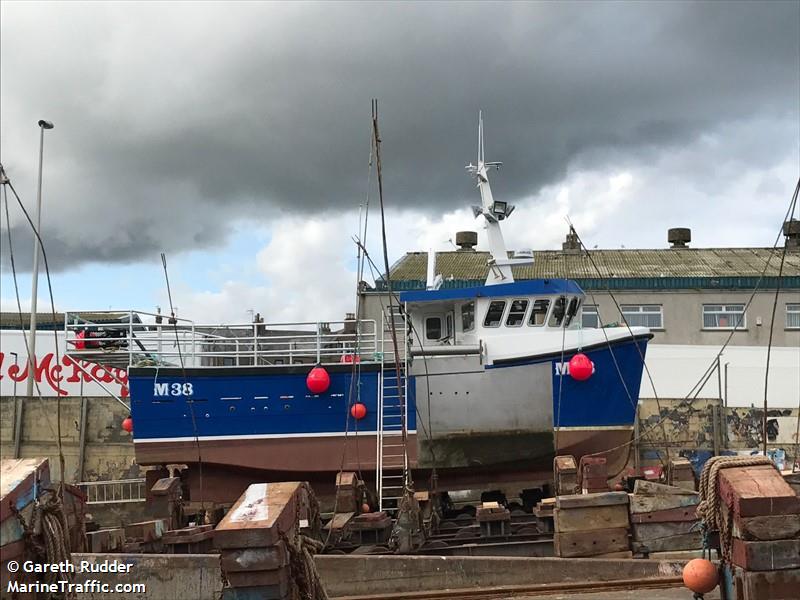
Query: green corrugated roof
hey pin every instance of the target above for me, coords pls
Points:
(621, 269)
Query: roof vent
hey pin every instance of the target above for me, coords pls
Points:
(679, 237)
(572, 245)
(466, 241)
(791, 229)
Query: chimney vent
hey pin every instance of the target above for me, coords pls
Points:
(679, 237)
(466, 241)
(791, 229)
(572, 245)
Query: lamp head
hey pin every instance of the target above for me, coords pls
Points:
(45, 124)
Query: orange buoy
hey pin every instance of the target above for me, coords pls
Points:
(127, 424)
(358, 411)
(700, 575)
(318, 380)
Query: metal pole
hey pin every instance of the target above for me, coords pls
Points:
(35, 273)
(18, 413)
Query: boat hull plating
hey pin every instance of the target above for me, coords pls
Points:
(510, 416)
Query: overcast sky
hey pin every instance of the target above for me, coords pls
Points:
(235, 136)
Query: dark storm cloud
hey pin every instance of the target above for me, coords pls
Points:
(174, 120)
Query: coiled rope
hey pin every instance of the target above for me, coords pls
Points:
(710, 507)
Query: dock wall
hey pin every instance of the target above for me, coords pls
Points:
(94, 444)
(198, 576)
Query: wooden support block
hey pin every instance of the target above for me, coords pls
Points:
(254, 559)
(774, 527)
(767, 585)
(593, 485)
(346, 479)
(275, 577)
(688, 513)
(757, 491)
(565, 464)
(644, 532)
(684, 541)
(260, 515)
(591, 543)
(766, 556)
(106, 540)
(591, 518)
(589, 500)
(651, 488)
(146, 531)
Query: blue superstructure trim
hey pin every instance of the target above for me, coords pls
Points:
(529, 287)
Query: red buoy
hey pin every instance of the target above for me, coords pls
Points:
(580, 367)
(358, 411)
(127, 424)
(318, 380)
(700, 575)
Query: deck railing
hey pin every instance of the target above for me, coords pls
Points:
(185, 343)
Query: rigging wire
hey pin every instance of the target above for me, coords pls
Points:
(55, 333)
(174, 321)
(635, 343)
(400, 390)
(687, 399)
(772, 327)
(45, 412)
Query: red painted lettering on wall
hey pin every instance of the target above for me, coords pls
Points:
(51, 373)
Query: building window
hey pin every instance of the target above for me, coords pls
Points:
(643, 315)
(467, 316)
(495, 313)
(590, 319)
(516, 314)
(793, 316)
(539, 313)
(433, 328)
(723, 316)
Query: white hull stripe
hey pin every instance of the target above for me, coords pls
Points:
(267, 436)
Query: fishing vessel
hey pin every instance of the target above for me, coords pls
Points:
(493, 379)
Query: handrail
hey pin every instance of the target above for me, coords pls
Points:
(209, 345)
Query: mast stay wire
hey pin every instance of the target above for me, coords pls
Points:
(55, 332)
(19, 313)
(190, 402)
(710, 370)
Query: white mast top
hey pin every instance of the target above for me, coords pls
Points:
(493, 212)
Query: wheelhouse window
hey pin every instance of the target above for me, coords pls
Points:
(433, 328)
(516, 313)
(572, 310)
(494, 314)
(468, 316)
(723, 316)
(539, 312)
(793, 315)
(590, 318)
(559, 310)
(643, 315)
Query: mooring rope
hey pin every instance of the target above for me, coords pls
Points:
(710, 507)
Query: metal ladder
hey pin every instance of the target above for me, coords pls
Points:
(392, 463)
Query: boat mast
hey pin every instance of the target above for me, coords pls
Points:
(493, 212)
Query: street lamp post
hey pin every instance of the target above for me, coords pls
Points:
(35, 273)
